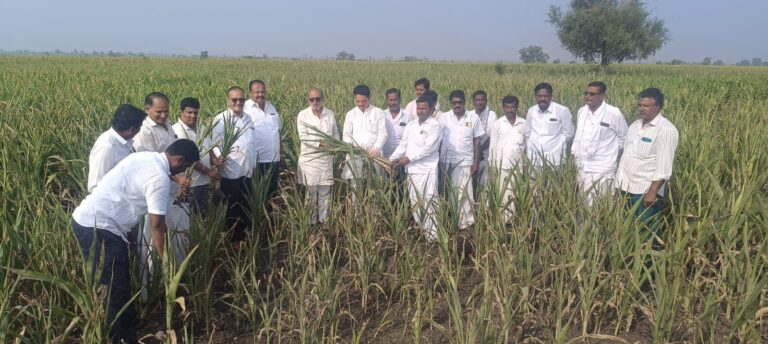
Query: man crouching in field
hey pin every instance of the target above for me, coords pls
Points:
(140, 184)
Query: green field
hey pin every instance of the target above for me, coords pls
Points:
(561, 273)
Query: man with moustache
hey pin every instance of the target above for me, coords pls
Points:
(506, 151)
(421, 86)
(487, 117)
(269, 154)
(366, 127)
(548, 130)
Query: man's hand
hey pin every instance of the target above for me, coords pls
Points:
(218, 161)
(213, 174)
(649, 199)
(373, 152)
(475, 167)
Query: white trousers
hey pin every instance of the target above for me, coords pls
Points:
(595, 184)
(319, 198)
(507, 193)
(422, 189)
(459, 193)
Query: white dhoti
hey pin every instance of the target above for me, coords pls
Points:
(595, 184)
(460, 193)
(422, 189)
(319, 198)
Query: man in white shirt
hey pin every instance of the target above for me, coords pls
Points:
(266, 129)
(315, 168)
(600, 133)
(646, 164)
(487, 117)
(114, 144)
(366, 127)
(397, 119)
(233, 135)
(507, 149)
(138, 185)
(188, 127)
(436, 113)
(421, 87)
(460, 156)
(548, 130)
(419, 152)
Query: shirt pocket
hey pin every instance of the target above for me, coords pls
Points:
(552, 126)
(645, 146)
(606, 132)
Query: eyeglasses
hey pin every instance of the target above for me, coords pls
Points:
(592, 94)
(237, 100)
(314, 100)
(457, 102)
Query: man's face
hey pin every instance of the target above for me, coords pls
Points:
(648, 108)
(457, 105)
(158, 112)
(258, 94)
(236, 100)
(480, 101)
(593, 97)
(423, 110)
(315, 100)
(177, 164)
(393, 101)
(543, 98)
(510, 109)
(362, 102)
(133, 132)
(420, 89)
(189, 116)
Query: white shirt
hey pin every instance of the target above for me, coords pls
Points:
(138, 185)
(239, 160)
(395, 129)
(458, 137)
(599, 137)
(183, 131)
(487, 117)
(315, 166)
(411, 107)
(153, 137)
(548, 132)
(266, 128)
(507, 145)
(649, 152)
(421, 143)
(366, 129)
(107, 151)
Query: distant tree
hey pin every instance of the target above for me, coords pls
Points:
(499, 68)
(707, 61)
(765, 63)
(343, 55)
(676, 62)
(743, 63)
(572, 62)
(556, 61)
(533, 54)
(756, 61)
(203, 54)
(719, 63)
(608, 30)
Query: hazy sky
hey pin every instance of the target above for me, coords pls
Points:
(482, 30)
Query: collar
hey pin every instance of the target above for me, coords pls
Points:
(599, 108)
(655, 120)
(150, 123)
(548, 110)
(117, 137)
(164, 162)
(186, 127)
(518, 120)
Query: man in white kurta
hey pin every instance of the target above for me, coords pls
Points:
(419, 152)
(315, 170)
(268, 154)
(460, 157)
(507, 150)
(421, 87)
(114, 144)
(487, 117)
(548, 129)
(600, 133)
(397, 119)
(365, 127)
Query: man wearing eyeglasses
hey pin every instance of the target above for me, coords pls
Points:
(548, 130)
(315, 170)
(266, 126)
(234, 124)
(597, 145)
(365, 127)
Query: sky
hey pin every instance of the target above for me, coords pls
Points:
(479, 30)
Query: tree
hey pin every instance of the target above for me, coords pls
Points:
(203, 54)
(719, 63)
(608, 30)
(676, 62)
(343, 55)
(533, 54)
(707, 61)
(756, 61)
(743, 63)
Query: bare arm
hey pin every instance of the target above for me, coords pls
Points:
(158, 228)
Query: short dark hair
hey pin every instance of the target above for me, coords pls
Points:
(126, 117)
(510, 100)
(431, 95)
(186, 148)
(479, 93)
(457, 94)
(235, 88)
(189, 102)
(655, 94)
(543, 86)
(254, 82)
(426, 99)
(393, 90)
(423, 82)
(599, 84)
(149, 100)
(362, 90)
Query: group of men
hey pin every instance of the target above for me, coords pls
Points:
(142, 164)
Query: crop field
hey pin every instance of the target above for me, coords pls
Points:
(559, 273)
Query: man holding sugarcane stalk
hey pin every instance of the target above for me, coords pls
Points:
(365, 127)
